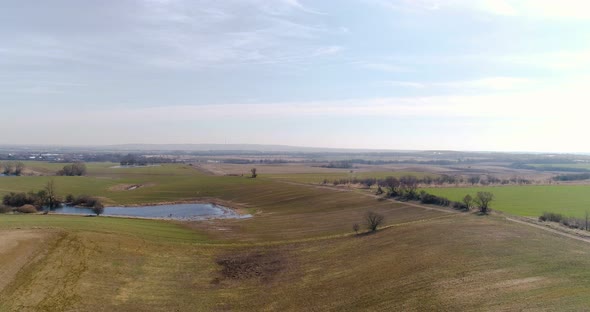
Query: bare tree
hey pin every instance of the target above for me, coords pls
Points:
(474, 179)
(253, 171)
(373, 220)
(18, 168)
(392, 185)
(409, 185)
(8, 168)
(370, 182)
(483, 199)
(51, 199)
(356, 228)
(468, 200)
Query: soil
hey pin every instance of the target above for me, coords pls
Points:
(260, 265)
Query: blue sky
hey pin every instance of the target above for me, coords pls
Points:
(500, 75)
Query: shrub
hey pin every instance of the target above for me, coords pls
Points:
(75, 169)
(98, 208)
(5, 209)
(84, 201)
(426, 198)
(460, 206)
(27, 209)
(18, 199)
(553, 217)
(542, 218)
(70, 198)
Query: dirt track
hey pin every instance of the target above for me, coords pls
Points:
(16, 249)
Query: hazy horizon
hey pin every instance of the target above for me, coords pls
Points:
(458, 75)
(266, 148)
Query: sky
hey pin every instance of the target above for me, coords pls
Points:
(504, 75)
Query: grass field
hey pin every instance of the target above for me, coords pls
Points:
(298, 253)
(571, 200)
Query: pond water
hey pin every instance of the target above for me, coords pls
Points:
(134, 166)
(187, 212)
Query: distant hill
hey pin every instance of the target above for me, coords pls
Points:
(235, 147)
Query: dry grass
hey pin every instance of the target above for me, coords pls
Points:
(17, 248)
(298, 253)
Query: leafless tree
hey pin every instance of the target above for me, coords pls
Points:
(409, 184)
(253, 171)
(18, 168)
(392, 184)
(50, 194)
(8, 168)
(356, 228)
(468, 200)
(373, 220)
(483, 199)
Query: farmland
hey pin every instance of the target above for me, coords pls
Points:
(570, 200)
(298, 252)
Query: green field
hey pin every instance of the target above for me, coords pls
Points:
(570, 200)
(298, 252)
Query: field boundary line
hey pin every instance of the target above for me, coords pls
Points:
(558, 232)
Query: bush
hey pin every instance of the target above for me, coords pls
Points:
(18, 199)
(460, 206)
(426, 198)
(5, 209)
(550, 216)
(98, 208)
(75, 169)
(542, 218)
(27, 209)
(84, 201)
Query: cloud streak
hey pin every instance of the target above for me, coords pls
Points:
(545, 9)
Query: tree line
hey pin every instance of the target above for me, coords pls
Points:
(47, 199)
(15, 168)
(443, 179)
(75, 169)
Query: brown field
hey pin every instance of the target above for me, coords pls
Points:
(298, 253)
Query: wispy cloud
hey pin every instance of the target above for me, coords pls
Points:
(179, 34)
(550, 9)
(405, 84)
(385, 67)
(327, 50)
(482, 84)
(537, 104)
(491, 83)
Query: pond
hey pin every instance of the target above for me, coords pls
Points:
(186, 212)
(133, 166)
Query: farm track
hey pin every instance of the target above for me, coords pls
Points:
(558, 232)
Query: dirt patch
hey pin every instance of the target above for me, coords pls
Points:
(17, 248)
(129, 187)
(254, 265)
